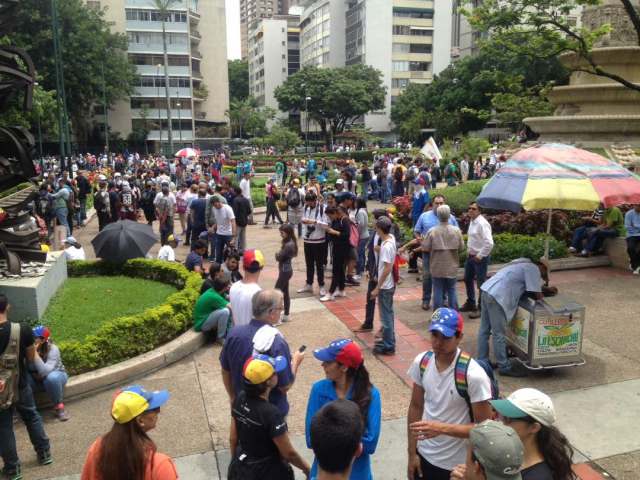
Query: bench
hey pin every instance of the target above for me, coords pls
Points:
(616, 250)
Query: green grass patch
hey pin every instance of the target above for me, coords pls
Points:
(83, 304)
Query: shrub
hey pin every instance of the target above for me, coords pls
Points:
(125, 337)
(509, 246)
(459, 197)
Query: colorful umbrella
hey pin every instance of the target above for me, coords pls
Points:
(557, 176)
(186, 153)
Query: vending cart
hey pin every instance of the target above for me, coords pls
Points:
(547, 333)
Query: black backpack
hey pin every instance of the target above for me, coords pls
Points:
(293, 197)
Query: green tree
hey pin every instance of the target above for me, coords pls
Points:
(256, 124)
(282, 138)
(542, 29)
(335, 97)
(87, 45)
(238, 79)
(43, 111)
(238, 113)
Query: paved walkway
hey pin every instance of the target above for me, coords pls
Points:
(597, 404)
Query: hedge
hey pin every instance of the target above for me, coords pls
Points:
(126, 337)
(358, 155)
(460, 196)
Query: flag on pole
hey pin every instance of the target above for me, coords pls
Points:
(431, 150)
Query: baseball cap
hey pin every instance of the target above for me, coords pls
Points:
(527, 402)
(259, 368)
(42, 331)
(339, 181)
(70, 240)
(252, 260)
(134, 400)
(420, 181)
(172, 238)
(447, 321)
(344, 351)
(499, 449)
(296, 181)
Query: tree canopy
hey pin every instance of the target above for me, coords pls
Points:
(337, 97)
(238, 79)
(88, 46)
(543, 29)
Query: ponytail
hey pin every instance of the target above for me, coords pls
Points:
(556, 451)
(361, 387)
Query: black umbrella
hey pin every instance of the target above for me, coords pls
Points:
(123, 240)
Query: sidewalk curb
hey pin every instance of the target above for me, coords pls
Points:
(104, 378)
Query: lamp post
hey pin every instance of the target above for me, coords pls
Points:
(306, 133)
(106, 111)
(35, 84)
(158, 100)
(179, 116)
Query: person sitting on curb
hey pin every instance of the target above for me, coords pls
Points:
(73, 250)
(195, 260)
(167, 252)
(48, 373)
(212, 311)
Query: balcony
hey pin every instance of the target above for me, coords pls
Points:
(413, 4)
(420, 74)
(138, 26)
(178, 5)
(154, 135)
(196, 54)
(155, 92)
(157, 48)
(172, 70)
(195, 35)
(201, 115)
(155, 113)
(196, 74)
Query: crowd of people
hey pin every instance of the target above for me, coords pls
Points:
(454, 396)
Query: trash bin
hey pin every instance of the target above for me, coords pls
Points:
(547, 333)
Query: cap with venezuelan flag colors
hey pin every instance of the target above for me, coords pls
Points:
(134, 400)
(260, 368)
(253, 260)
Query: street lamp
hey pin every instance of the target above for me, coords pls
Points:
(106, 111)
(35, 84)
(179, 116)
(306, 134)
(158, 102)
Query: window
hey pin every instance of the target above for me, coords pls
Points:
(401, 30)
(399, 83)
(419, 66)
(400, 66)
(420, 48)
(400, 48)
(413, 13)
(416, 32)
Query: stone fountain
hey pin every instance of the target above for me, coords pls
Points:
(596, 111)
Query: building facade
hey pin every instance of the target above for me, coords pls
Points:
(198, 87)
(252, 11)
(273, 55)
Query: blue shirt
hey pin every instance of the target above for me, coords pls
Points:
(238, 346)
(192, 260)
(418, 204)
(632, 223)
(429, 220)
(324, 392)
(511, 282)
(199, 207)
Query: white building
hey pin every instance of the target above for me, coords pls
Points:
(273, 55)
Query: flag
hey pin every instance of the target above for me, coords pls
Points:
(430, 149)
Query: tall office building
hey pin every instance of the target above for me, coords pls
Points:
(273, 55)
(198, 87)
(254, 10)
(407, 40)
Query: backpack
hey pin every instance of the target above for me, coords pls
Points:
(9, 369)
(354, 234)
(411, 173)
(460, 376)
(293, 197)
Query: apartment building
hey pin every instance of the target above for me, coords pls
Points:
(254, 10)
(273, 55)
(198, 87)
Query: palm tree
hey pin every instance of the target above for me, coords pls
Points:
(163, 7)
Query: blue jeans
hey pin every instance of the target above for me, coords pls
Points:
(81, 214)
(389, 187)
(374, 189)
(579, 236)
(220, 241)
(220, 321)
(53, 384)
(493, 321)
(595, 242)
(62, 215)
(442, 286)
(427, 284)
(474, 271)
(385, 308)
(362, 246)
(33, 421)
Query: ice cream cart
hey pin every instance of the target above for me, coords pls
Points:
(547, 333)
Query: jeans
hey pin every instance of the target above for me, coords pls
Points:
(373, 184)
(166, 229)
(53, 384)
(241, 239)
(474, 270)
(272, 212)
(493, 321)
(633, 249)
(580, 235)
(220, 241)
(219, 320)
(362, 247)
(33, 421)
(315, 255)
(426, 279)
(371, 304)
(441, 286)
(385, 307)
(282, 284)
(82, 211)
(339, 263)
(389, 187)
(594, 244)
(62, 214)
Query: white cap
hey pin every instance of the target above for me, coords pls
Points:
(527, 401)
(102, 178)
(339, 181)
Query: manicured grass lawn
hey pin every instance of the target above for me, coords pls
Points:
(83, 304)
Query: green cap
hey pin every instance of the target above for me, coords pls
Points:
(498, 449)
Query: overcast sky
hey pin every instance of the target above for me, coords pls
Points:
(233, 28)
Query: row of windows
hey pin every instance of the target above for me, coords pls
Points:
(412, 48)
(405, 66)
(315, 30)
(407, 30)
(155, 16)
(174, 60)
(151, 38)
(177, 82)
(399, 82)
(413, 14)
(155, 103)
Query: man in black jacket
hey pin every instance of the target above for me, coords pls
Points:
(84, 189)
(242, 211)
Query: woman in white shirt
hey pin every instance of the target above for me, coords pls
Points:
(73, 250)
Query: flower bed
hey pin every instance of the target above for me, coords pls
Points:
(125, 337)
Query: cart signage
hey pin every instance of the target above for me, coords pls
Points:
(518, 332)
(558, 336)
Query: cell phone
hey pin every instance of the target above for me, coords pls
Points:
(302, 348)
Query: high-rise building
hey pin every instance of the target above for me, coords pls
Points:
(198, 87)
(253, 10)
(407, 40)
(273, 55)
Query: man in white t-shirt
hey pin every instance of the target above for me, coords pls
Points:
(166, 252)
(225, 226)
(242, 292)
(385, 258)
(439, 418)
(245, 188)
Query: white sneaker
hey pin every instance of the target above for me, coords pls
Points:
(636, 271)
(357, 277)
(327, 298)
(323, 292)
(584, 252)
(285, 319)
(306, 288)
(572, 250)
(341, 293)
